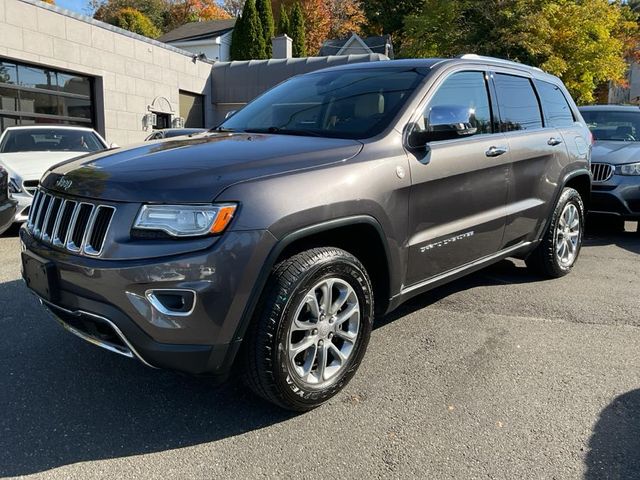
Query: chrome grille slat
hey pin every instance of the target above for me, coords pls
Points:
(601, 172)
(43, 210)
(93, 246)
(75, 226)
(69, 224)
(34, 208)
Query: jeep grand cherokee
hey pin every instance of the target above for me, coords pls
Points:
(271, 243)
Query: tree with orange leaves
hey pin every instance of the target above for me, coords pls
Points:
(347, 17)
(186, 11)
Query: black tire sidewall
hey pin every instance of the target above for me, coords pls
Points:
(569, 195)
(290, 387)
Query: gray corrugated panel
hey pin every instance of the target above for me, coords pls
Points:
(240, 82)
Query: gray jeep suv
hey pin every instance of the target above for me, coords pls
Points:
(271, 243)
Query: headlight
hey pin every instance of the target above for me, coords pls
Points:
(185, 220)
(630, 169)
(14, 187)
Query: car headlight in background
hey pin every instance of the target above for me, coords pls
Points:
(185, 220)
(630, 169)
(13, 186)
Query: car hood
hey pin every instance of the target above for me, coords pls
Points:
(192, 170)
(616, 152)
(32, 165)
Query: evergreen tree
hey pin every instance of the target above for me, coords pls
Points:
(265, 14)
(247, 40)
(236, 48)
(297, 31)
(284, 27)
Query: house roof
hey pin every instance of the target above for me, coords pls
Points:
(378, 44)
(198, 31)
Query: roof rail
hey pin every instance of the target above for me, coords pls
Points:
(473, 56)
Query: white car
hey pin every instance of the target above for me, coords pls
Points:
(27, 152)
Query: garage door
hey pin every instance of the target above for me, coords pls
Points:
(32, 94)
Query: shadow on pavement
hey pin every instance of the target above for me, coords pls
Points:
(63, 401)
(12, 231)
(614, 447)
(504, 272)
(600, 232)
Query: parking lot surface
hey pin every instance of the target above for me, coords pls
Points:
(498, 375)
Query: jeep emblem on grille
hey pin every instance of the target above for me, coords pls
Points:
(64, 183)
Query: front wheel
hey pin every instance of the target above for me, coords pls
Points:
(558, 250)
(311, 330)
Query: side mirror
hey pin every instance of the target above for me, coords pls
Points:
(114, 145)
(230, 113)
(445, 122)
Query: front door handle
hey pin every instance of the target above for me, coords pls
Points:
(553, 141)
(496, 151)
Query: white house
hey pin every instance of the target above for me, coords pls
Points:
(357, 45)
(212, 38)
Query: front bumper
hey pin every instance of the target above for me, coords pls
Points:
(619, 196)
(24, 205)
(104, 301)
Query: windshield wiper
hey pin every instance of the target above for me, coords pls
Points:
(285, 131)
(223, 130)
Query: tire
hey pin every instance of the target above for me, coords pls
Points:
(286, 317)
(546, 259)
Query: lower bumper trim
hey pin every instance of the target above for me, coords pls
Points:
(126, 349)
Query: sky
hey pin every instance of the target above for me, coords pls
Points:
(78, 6)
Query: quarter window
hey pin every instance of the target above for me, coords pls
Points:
(517, 102)
(554, 104)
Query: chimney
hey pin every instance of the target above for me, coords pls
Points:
(282, 47)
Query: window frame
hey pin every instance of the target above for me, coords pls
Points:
(430, 94)
(498, 71)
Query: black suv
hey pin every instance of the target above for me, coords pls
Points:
(271, 243)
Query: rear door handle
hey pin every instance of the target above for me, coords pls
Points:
(496, 151)
(553, 141)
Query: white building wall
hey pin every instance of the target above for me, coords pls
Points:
(216, 49)
(132, 71)
(210, 49)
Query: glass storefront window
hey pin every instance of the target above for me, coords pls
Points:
(31, 94)
(8, 73)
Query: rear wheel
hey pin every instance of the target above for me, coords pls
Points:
(560, 246)
(311, 330)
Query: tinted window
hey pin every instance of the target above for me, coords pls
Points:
(50, 140)
(341, 104)
(518, 104)
(614, 125)
(463, 91)
(554, 104)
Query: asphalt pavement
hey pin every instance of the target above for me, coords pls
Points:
(499, 375)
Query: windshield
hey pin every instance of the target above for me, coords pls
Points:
(613, 125)
(50, 140)
(341, 104)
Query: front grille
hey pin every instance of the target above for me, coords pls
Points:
(78, 227)
(601, 171)
(30, 186)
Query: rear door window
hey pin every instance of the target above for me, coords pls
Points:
(517, 103)
(554, 105)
